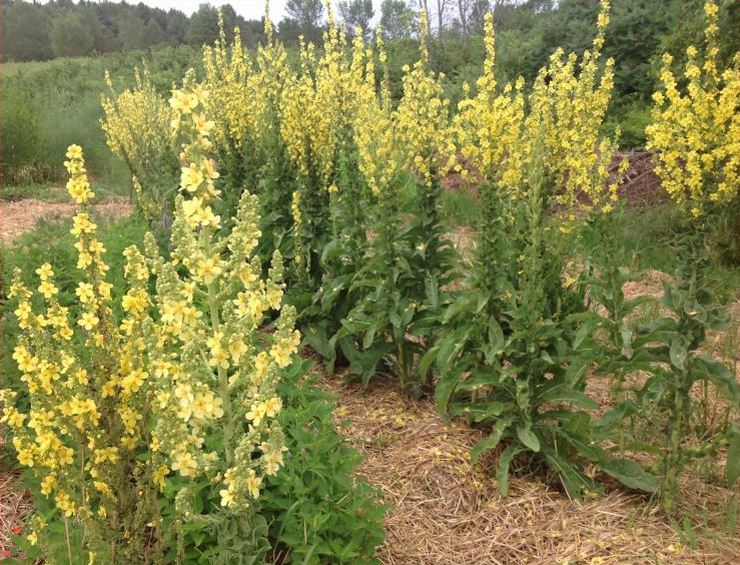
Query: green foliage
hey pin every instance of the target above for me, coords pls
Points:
(37, 32)
(48, 106)
(510, 358)
(397, 20)
(514, 350)
(629, 117)
(357, 13)
(318, 511)
(25, 32)
(670, 348)
(71, 36)
(20, 137)
(400, 293)
(210, 541)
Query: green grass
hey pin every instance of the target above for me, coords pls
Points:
(56, 191)
(649, 236)
(46, 106)
(459, 209)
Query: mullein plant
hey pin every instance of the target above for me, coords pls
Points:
(163, 422)
(83, 438)
(245, 101)
(399, 288)
(511, 360)
(696, 139)
(136, 128)
(347, 248)
(217, 371)
(317, 113)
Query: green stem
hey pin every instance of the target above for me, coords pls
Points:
(223, 378)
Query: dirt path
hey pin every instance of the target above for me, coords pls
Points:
(21, 216)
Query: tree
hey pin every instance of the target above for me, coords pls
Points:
(307, 14)
(177, 25)
(441, 9)
(357, 13)
(478, 10)
(397, 19)
(203, 26)
(152, 35)
(25, 33)
(70, 37)
(130, 31)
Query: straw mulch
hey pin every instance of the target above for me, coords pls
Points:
(21, 216)
(443, 511)
(15, 505)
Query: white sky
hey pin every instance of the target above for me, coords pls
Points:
(250, 9)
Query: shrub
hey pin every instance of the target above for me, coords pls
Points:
(318, 511)
(511, 357)
(695, 137)
(136, 127)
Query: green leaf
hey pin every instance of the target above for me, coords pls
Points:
(490, 442)
(528, 437)
(563, 393)
(678, 353)
(445, 387)
(583, 332)
(504, 462)
(630, 474)
(718, 373)
(627, 340)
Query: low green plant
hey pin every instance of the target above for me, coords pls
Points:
(317, 509)
(670, 349)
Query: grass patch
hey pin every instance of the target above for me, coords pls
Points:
(459, 209)
(649, 236)
(56, 191)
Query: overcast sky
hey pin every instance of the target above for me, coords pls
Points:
(250, 9)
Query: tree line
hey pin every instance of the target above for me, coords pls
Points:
(527, 30)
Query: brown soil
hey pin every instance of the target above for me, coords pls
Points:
(21, 216)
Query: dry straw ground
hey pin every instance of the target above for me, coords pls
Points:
(444, 511)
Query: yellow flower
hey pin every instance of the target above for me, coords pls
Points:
(45, 272)
(236, 349)
(47, 289)
(191, 178)
(185, 463)
(88, 320)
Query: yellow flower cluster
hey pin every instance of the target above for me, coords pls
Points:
(197, 172)
(139, 398)
(87, 403)
(245, 95)
(423, 121)
(379, 154)
(490, 126)
(213, 378)
(696, 134)
(136, 127)
(316, 107)
(499, 132)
